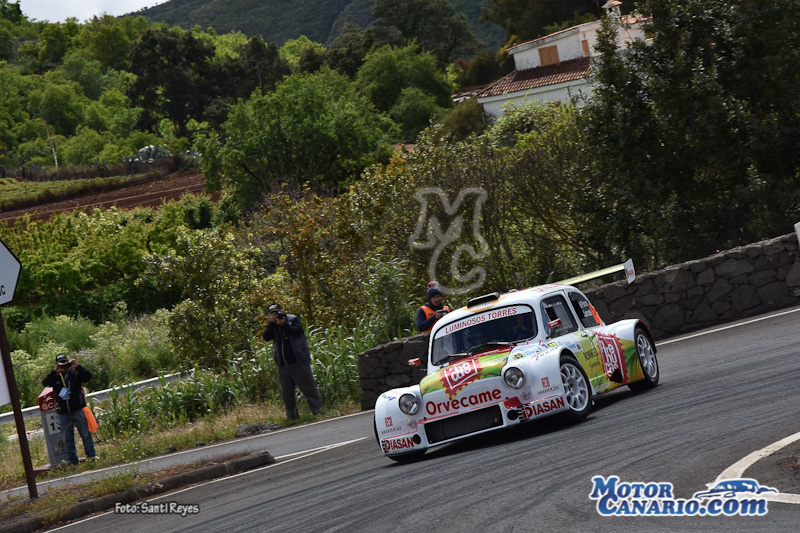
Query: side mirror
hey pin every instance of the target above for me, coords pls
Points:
(414, 362)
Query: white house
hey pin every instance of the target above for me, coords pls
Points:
(555, 68)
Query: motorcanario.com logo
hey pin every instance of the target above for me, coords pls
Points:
(730, 497)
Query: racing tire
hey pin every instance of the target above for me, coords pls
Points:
(646, 353)
(577, 391)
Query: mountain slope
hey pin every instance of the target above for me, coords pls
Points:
(280, 20)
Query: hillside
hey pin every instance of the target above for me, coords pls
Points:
(280, 20)
(150, 193)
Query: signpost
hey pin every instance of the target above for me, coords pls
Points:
(9, 274)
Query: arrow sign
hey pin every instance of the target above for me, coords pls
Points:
(9, 274)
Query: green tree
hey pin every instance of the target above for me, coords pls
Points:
(524, 20)
(11, 11)
(61, 105)
(464, 119)
(55, 41)
(109, 39)
(434, 24)
(8, 39)
(218, 278)
(86, 72)
(174, 76)
(314, 128)
(293, 50)
(414, 111)
(390, 69)
(483, 68)
(347, 53)
(691, 144)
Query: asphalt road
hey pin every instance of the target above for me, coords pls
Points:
(722, 395)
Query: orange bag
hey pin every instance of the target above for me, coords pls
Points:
(91, 421)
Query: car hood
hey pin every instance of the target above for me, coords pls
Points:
(460, 373)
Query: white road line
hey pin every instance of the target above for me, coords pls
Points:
(736, 470)
(279, 461)
(728, 327)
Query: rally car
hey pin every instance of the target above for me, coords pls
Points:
(508, 359)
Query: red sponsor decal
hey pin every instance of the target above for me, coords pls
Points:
(388, 421)
(611, 354)
(458, 376)
(545, 382)
(454, 404)
(541, 408)
(400, 443)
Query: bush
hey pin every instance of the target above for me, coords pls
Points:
(136, 350)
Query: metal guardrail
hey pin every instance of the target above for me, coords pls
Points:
(31, 412)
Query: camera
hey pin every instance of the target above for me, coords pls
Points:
(281, 315)
(64, 365)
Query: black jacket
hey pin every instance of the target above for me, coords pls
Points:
(296, 336)
(76, 377)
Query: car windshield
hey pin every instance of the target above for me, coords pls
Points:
(504, 325)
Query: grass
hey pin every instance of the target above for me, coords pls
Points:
(136, 446)
(16, 194)
(55, 503)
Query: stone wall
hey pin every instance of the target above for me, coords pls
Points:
(734, 284)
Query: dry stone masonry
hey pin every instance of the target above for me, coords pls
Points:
(730, 285)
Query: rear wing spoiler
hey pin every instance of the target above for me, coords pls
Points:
(627, 266)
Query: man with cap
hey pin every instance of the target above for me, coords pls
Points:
(67, 381)
(432, 310)
(290, 350)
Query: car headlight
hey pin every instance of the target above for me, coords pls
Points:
(514, 377)
(409, 403)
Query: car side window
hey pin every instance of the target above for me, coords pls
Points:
(555, 308)
(584, 310)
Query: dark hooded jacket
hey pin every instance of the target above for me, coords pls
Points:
(75, 377)
(292, 334)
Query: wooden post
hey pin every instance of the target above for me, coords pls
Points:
(18, 419)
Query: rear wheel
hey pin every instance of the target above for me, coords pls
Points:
(647, 358)
(577, 392)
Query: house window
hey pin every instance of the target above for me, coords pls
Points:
(548, 55)
(585, 46)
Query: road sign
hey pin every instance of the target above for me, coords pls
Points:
(9, 274)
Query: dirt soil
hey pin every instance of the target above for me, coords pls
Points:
(143, 194)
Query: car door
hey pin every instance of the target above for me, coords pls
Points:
(605, 367)
(574, 331)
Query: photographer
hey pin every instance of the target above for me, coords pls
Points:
(432, 310)
(290, 350)
(67, 380)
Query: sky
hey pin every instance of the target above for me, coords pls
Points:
(61, 10)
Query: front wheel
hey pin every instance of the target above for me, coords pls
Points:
(577, 391)
(647, 358)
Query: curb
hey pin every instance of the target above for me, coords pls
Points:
(109, 501)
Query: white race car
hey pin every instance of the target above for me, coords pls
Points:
(507, 359)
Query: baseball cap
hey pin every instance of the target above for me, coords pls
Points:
(275, 308)
(62, 359)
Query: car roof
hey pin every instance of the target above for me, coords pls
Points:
(530, 296)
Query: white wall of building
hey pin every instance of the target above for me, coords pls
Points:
(561, 92)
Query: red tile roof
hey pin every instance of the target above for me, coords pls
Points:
(524, 80)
